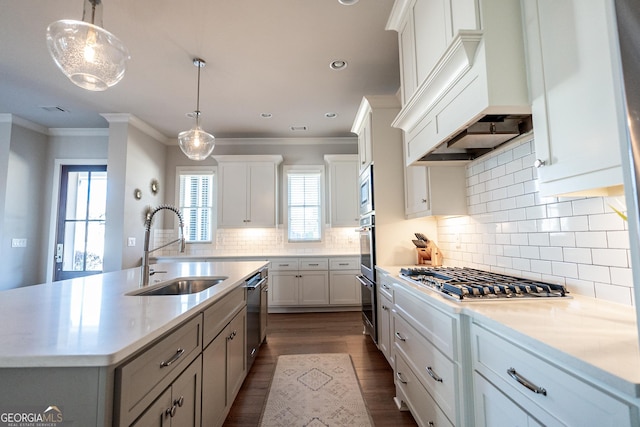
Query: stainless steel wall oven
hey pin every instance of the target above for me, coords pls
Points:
(367, 275)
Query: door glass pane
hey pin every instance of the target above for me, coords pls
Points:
(74, 253)
(95, 245)
(77, 195)
(98, 196)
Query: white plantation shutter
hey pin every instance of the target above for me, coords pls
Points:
(304, 205)
(196, 205)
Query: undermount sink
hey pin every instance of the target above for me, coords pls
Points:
(180, 287)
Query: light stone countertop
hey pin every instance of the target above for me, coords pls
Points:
(91, 321)
(580, 334)
(226, 255)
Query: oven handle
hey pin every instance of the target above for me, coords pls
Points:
(364, 282)
(257, 285)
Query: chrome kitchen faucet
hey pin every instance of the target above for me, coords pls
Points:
(146, 271)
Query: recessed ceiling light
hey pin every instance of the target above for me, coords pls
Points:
(266, 115)
(331, 115)
(338, 64)
(347, 2)
(298, 128)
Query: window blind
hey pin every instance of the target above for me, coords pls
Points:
(304, 206)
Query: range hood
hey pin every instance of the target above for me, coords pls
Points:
(474, 97)
(488, 133)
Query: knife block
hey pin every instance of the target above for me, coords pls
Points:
(430, 255)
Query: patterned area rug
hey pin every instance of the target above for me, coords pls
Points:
(315, 390)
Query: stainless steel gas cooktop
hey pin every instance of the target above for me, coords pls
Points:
(468, 284)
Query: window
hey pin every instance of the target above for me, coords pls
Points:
(304, 203)
(195, 201)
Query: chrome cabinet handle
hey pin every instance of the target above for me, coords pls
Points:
(539, 163)
(179, 402)
(424, 200)
(171, 412)
(525, 382)
(433, 375)
(384, 307)
(175, 357)
(314, 265)
(385, 286)
(399, 376)
(400, 337)
(232, 335)
(343, 263)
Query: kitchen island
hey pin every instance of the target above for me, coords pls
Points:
(64, 343)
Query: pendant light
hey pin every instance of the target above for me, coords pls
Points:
(90, 56)
(196, 143)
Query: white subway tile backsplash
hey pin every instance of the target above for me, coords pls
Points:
(610, 257)
(579, 242)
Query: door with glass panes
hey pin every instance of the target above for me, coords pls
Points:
(81, 221)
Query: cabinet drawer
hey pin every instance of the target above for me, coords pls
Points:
(344, 264)
(435, 371)
(141, 379)
(219, 314)
(284, 265)
(424, 409)
(313, 264)
(435, 325)
(561, 394)
(386, 288)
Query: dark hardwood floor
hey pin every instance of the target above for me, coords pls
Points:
(297, 333)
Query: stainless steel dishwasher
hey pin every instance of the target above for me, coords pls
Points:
(255, 313)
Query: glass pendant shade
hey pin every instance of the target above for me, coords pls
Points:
(90, 56)
(196, 144)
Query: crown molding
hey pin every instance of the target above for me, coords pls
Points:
(138, 124)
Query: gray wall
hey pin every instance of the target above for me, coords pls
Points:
(24, 207)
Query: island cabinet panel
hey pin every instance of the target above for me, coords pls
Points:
(223, 370)
(525, 381)
(140, 380)
(385, 319)
(179, 405)
(219, 314)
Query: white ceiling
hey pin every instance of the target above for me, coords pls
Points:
(262, 56)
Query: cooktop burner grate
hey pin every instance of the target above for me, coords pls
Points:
(462, 283)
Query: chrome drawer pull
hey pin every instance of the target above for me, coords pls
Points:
(399, 376)
(400, 337)
(525, 382)
(179, 402)
(433, 374)
(314, 265)
(384, 307)
(343, 263)
(171, 412)
(175, 357)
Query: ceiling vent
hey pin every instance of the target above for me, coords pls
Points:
(53, 109)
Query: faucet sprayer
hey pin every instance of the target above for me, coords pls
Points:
(146, 271)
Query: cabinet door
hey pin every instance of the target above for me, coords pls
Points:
(314, 288)
(407, 47)
(492, 408)
(575, 84)
(232, 206)
(416, 190)
(261, 203)
(344, 288)
(430, 29)
(157, 414)
(344, 193)
(186, 396)
(384, 327)
(283, 288)
(365, 154)
(214, 382)
(236, 354)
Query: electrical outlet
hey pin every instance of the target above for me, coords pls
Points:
(131, 241)
(457, 239)
(18, 243)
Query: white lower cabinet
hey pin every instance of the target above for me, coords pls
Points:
(534, 389)
(426, 360)
(308, 283)
(410, 390)
(384, 295)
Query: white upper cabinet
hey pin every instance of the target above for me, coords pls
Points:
(437, 190)
(460, 60)
(576, 92)
(364, 143)
(343, 189)
(247, 191)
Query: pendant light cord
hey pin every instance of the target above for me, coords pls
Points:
(199, 65)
